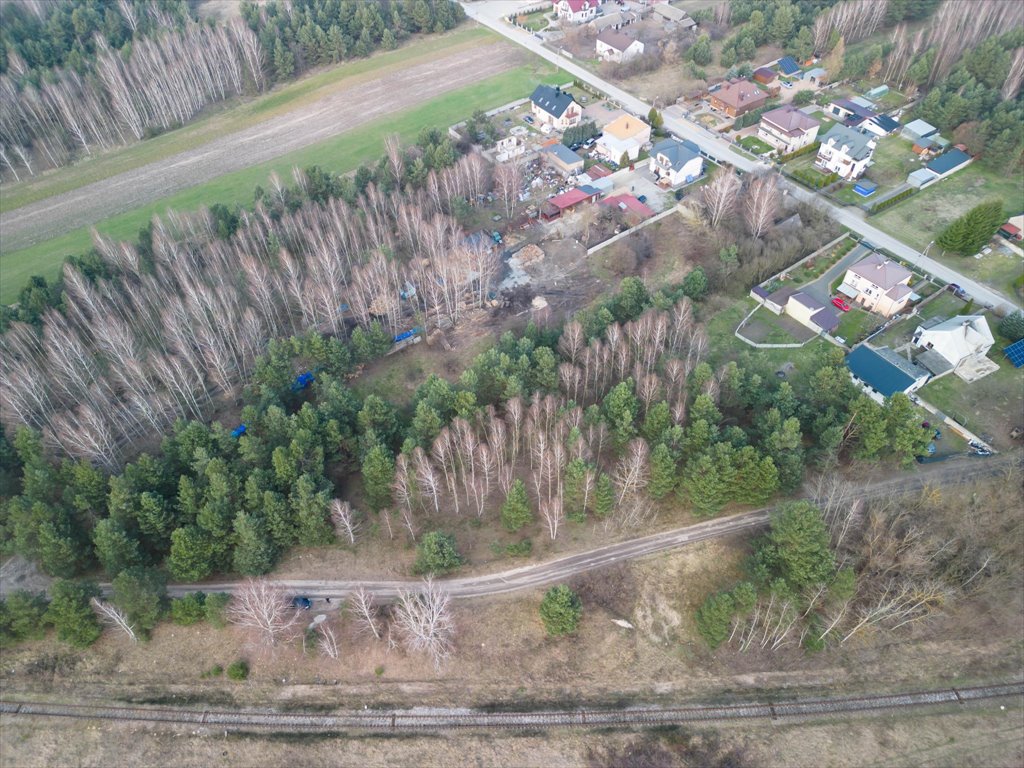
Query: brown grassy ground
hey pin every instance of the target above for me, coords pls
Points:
(987, 737)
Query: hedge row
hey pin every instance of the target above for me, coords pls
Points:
(800, 152)
(881, 206)
(814, 179)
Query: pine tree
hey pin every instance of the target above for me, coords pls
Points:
(575, 476)
(515, 512)
(702, 485)
(254, 552)
(378, 474)
(663, 472)
(604, 496)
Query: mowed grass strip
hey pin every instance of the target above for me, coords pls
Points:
(340, 154)
(236, 114)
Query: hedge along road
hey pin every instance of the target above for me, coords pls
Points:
(336, 113)
(542, 574)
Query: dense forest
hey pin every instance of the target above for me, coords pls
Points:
(79, 76)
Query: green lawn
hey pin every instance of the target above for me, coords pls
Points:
(724, 346)
(991, 406)
(339, 154)
(235, 115)
(535, 22)
(855, 325)
(892, 161)
(919, 219)
(945, 306)
(755, 145)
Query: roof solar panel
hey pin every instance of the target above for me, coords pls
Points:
(1015, 353)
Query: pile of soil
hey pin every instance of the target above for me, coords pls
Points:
(530, 254)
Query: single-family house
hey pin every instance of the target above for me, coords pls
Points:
(850, 112)
(811, 313)
(958, 344)
(846, 152)
(616, 20)
(553, 106)
(921, 178)
(509, 148)
(787, 129)
(787, 65)
(878, 284)
(917, 129)
(880, 125)
(676, 162)
(617, 46)
(563, 160)
(567, 202)
(624, 135)
(630, 206)
(816, 76)
(882, 373)
(949, 162)
(737, 97)
(576, 11)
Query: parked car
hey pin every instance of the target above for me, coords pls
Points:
(786, 84)
(642, 198)
(302, 602)
(528, 119)
(841, 304)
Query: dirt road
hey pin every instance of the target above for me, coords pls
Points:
(553, 571)
(338, 113)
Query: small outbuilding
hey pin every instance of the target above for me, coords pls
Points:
(949, 162)
(918, 129)
(788, 66)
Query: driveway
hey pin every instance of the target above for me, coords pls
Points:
(819, 289)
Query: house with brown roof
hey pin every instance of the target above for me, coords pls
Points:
(878, 284)
(617, 46)
(787, 129)
(737, 97)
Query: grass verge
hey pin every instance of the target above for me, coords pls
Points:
(235, 115)
(340, 154)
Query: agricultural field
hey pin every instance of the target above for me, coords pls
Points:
(231, 117)
(340, 154)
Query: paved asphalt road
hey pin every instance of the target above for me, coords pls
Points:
(541, 574)
(491, 12)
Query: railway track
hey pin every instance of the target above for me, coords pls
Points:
(453, 719)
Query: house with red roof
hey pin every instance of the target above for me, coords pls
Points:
(634, 210)
(567, 202)
(737, 97)
(576, 11)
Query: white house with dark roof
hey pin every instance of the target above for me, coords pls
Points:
(959, 344)
(811, 313)
(846, 152)
(576, 11)
(617, 46)
(677, 162)
(553, 106)
(878, 284)
(787, 129)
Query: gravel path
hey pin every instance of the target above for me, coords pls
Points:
(342, 111)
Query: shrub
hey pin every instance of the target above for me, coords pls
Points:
(560, 610)
(714, 618)
(22, 617)
(214, 606)
(520, 548)
(801, 152)
(189, 609)
(215, 671)
(437, 553)
(1011, 327)
(238, 670)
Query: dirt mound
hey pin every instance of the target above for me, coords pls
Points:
(530, 254)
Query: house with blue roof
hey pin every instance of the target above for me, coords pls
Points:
(882, 373)
(677, 162)
(553, 106)
(949, 162)
(563, 159)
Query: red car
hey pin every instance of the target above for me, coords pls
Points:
(841, 304)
